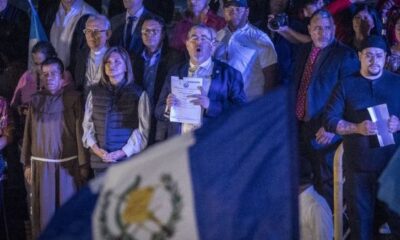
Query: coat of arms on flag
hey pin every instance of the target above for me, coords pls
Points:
(147, 202)
(139, 210)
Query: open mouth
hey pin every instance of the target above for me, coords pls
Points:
(198, 49)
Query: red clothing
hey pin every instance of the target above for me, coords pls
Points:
(27, 86)
(4, 117)
(305, 82)
(179, 32)
(342, 19)
(392, 13)
(338, 6)
(6, 124)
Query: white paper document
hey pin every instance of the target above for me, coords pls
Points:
(380, 116)
(185, 111)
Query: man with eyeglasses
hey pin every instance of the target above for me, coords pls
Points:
(152, 65)
(87, 68)
(222, 84)
(247, 49)
(126, 27)
(52, 152)
(363, 158)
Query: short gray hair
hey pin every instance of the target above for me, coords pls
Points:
(322, 13)
(100, 17)
(203, 26)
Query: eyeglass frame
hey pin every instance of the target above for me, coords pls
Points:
(95, 32)
(152, 31)
(201, 38)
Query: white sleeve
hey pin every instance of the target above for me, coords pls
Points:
(267, 53)
(88, 137)
(140, 136)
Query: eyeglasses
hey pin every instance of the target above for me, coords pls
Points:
(201, 38)
(94, 31)
(149, 31)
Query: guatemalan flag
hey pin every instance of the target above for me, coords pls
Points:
(234, 178)
(36, 32)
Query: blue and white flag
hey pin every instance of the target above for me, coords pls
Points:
(37, 32)
(389, 183)
(234, 178)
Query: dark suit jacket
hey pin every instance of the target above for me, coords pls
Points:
(334, 62)
(169, 57)
(47, 11)
(226, 90)
(163, 8)
(118, 25)
(78, 67)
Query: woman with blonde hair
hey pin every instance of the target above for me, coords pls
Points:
(117, 114)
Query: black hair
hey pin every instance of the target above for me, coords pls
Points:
(157, 19)
(378, 26)
(300, 4)
(44, 47)
(54, 60)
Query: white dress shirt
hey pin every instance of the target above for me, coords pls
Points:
(203, 71)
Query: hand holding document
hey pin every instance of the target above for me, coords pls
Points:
(380, 116)
(184, 111)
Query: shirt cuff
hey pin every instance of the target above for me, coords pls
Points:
(128, 150)
(166, 112)
(90, 142)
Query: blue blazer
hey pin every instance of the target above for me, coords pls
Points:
(334, 62)
(226, 90)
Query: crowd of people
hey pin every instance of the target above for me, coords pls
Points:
(99, 92)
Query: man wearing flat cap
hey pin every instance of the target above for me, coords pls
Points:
(248, 49)
(363, 158)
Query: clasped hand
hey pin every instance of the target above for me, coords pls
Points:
(107, 157)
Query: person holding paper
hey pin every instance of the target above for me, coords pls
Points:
(222, 85)
(364, 159)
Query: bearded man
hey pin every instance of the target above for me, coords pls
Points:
(364, 159)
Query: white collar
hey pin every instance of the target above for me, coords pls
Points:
(206, 64)
(99, 52)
